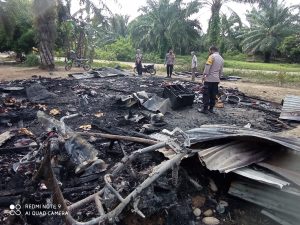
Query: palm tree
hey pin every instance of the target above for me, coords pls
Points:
(231, 28)
(214, 27)
(269, 25)
(82, 28)
(164, 24)
(44, 21)
(119, 25)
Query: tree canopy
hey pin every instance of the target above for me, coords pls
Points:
(16, 25)
(269, 25)
(165, 24)
(94, 29)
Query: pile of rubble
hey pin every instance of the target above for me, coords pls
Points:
(106, 149)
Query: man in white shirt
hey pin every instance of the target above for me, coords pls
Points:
(194, 65)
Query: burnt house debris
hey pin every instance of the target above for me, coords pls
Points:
(179, 96)
(109, 148)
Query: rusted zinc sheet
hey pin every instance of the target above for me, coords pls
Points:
(219, 132)
(234, 156)
(281, 201)
(241, 147)
(291, 108)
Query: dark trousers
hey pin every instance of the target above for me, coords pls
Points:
(139, 68)
(169, 70)
(209, 94)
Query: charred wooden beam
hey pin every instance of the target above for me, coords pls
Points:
(120, 138)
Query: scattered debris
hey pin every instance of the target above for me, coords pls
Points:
(99, 114)
(5, 137)
(291, 108)
(100, 73)
(157, 104)
(12, 89)
(86, 127)
(179, 96)
(54, 112)
(210, 221)
(38, 93)
(117, 177)
(232, 99)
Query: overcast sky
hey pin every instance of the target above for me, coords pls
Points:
(130, 7)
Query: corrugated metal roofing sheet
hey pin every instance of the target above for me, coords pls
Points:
(218, 132)
(231, 156)
(262, 176)
(285, 164)
(268, 197)
(248, 146)
(291, 108)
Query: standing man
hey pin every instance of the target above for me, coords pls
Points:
(170, 61)
(194, 65)
(138, 62)
(211, 78)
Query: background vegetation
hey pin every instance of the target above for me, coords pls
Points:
(270, 41)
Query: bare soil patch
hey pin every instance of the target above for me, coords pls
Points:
(8, 73)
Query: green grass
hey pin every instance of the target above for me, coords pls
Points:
(276, 79)
(111, 64)
(186, 59)
(102, 64)
(233, 63)
(245, 70)
(284, 67)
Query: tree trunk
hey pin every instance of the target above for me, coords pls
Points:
(163, 48)
(44, 21)
(214, 23)
(80, 44)
(46, 55)
(267, 57)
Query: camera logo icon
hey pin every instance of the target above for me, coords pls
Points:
(15, 209)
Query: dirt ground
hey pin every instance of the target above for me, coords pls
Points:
(8, 73)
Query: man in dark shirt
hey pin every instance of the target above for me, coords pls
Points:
(138, 62)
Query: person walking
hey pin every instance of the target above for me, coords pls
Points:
(194, 65)
(211, 78)
(138, 62)
(170, 61)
